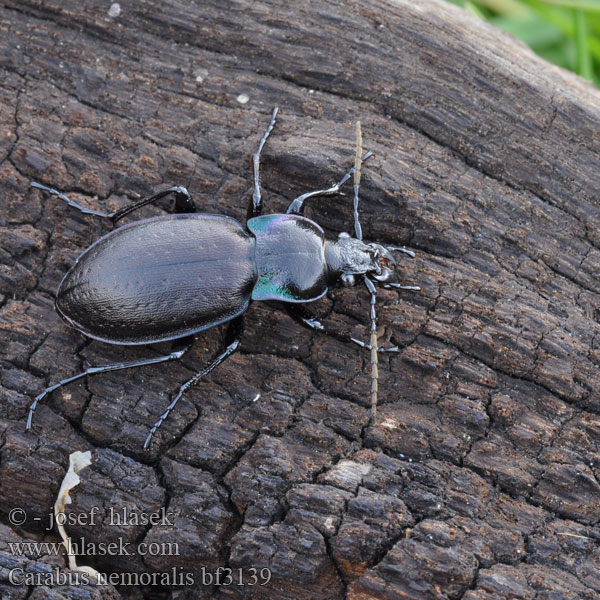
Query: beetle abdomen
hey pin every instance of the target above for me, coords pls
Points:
(160, 279)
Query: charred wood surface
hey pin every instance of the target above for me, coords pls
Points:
(480, 478)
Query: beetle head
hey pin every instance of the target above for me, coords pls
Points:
(383, 265)
(349, 257)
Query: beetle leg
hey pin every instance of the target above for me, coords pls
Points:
(297, 205)
(315, 325)
(85, 211)
(232, 341)
(414, 288)
(255, 207)
(183, 202)
(402, 249)
(379, 349)
(182, 347)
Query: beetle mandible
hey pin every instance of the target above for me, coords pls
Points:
(277, 257)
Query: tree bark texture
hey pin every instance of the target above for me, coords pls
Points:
(480, 479)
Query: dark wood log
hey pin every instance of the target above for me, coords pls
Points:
(480, 479)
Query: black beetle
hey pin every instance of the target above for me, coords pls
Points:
(169, 277)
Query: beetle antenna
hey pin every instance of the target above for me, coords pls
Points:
(374, 353)
(357, 165)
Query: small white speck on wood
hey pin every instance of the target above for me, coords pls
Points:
(115, 10)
